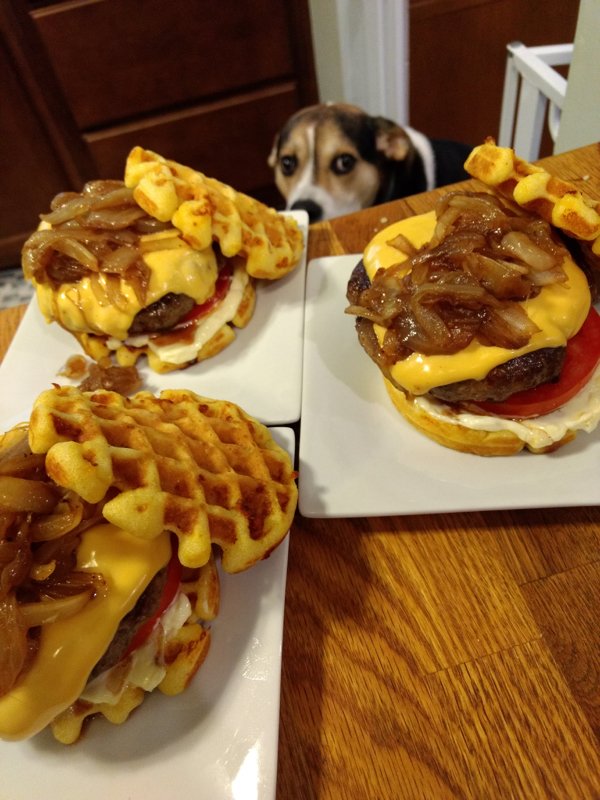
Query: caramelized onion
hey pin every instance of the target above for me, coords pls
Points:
(138, 277)
(45, 611)
(16, 569)
(366, 313)
(13, 643)
(41, 572)
(97, 230)
(404, 245)
(8, 551)
(18, 460)
(100, 187)
(108, 195)
(459, 293)
(74, 207)
(518, 245)
(146, 225)
(123, 380)
(545, 277)
(61, 199)
(507, 281)
(120, 260)
(76, 250)
(66, 516)
(114, 219)
(508, 326)
(468, 282)
(21, 494)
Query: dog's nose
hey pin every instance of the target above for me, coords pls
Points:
(314, 210)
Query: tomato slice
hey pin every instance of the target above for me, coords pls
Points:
(222, 285)
(582, 357)
(169, 591)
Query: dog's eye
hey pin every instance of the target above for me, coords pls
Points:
(288, 164)
(343, 164)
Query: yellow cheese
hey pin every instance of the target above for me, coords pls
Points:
(380, 254)
(559, 311)
(70, 648)
(174, 267)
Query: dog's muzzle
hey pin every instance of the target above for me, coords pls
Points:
(314, 210)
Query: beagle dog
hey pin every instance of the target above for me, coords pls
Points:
(333, 159)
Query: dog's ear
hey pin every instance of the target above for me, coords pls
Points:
(272, 159)
(391, 139)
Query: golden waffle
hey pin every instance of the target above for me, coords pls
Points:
(206, 210)
(200, 468)
(184, 653)
(559, 202)
(67, 726)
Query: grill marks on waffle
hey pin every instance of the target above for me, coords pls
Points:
(557, 201)
(202, 469)
(205, 210)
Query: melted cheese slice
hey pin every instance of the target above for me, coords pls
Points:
(174, 267)
(70, 648)
(559, 311)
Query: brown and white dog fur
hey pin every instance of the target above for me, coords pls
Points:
(333, 159)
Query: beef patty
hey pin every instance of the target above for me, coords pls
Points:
(516, 375)
(144, 609)
(162, 315)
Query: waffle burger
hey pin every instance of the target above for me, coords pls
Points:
(112, 512)
(163, 264)
(482, 323)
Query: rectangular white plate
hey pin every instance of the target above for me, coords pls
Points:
(216, 741)
(359, 457)
(261, 370)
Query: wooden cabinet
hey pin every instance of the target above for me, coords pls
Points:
(205, 82)
(31, 171)
(458, 59)
(41, 152)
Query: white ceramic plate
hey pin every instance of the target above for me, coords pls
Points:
(261, 370)
(216, 741)
(359, 457)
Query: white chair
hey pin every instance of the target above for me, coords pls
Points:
(530, 86)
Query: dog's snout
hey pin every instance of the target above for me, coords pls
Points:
(314, 210)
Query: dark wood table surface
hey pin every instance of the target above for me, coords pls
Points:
(444, 655)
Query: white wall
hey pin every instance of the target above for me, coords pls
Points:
(326, 44)
(361, 54)
(580, 118)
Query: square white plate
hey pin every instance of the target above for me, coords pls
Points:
(216, 741)
(261, 370)
(359, 457)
